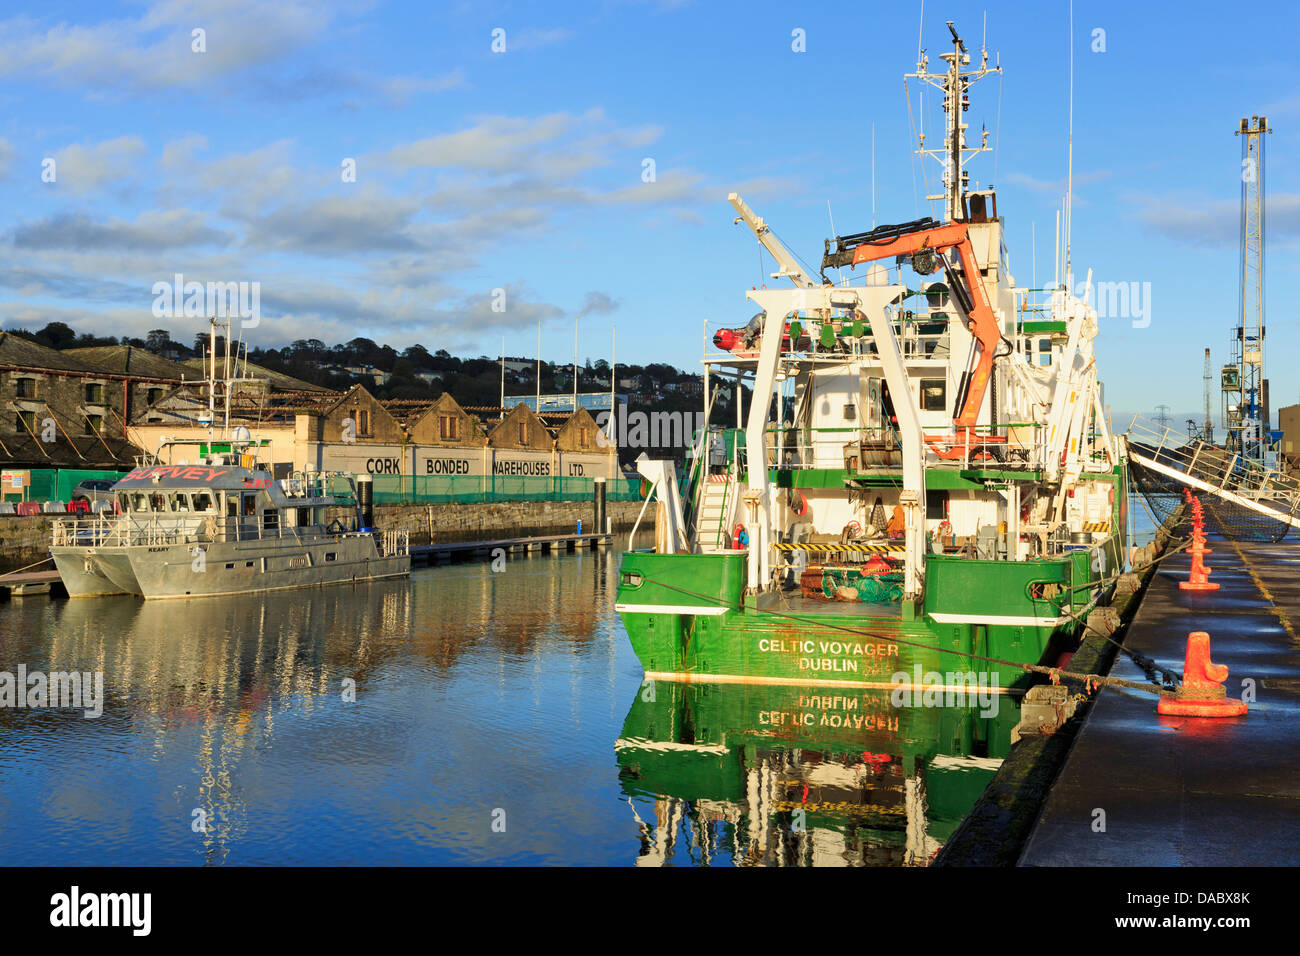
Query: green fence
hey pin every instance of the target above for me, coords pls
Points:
(55, 484)
(455, 489)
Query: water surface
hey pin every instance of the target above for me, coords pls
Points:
(461, 717)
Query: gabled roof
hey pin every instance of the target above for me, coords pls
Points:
(502, 434)
(129, 360)
(184, 403)
(279, 381)
(24, 353)
(445, 404)
(567, 436)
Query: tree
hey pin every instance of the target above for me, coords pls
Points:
(157, 340)
(57, 335)
(418, 356)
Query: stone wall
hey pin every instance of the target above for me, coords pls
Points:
(514, 519)
(25, 541)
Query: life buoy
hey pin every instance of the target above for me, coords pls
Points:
(739, 538)
(798, 503)
(851, 530)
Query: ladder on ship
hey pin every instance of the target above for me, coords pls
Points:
(1208, 469)
(712, 533)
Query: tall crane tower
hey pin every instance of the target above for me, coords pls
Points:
(1207, 389)
(1245, 390)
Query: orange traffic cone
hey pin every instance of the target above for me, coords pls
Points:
(1201, 693)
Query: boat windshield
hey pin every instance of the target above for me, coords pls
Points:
(173, 502)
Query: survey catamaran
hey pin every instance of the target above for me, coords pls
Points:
(924, 481)
(224, 524)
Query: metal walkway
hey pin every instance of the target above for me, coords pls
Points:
(1207, 469)
(1186, 791)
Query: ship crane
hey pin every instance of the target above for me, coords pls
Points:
(790, 268)
(927, 244)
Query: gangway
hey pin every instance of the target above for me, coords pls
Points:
(1210, 469)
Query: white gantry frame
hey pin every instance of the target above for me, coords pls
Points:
(873, 304)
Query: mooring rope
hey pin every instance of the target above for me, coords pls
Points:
(1056, 674)
(22, 569)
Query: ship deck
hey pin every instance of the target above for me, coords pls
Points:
(792, 602)
(1186, 791)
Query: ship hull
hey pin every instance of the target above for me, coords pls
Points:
(181, 570)
(688, 621)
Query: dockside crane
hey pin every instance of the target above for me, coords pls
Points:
(1244, 388)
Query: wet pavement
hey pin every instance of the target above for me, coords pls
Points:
(1139, 788)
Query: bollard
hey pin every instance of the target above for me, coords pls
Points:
(1201, 693)
(1200, 576)
(598, 496)
(365, 502)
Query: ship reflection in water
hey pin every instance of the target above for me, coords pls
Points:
(803, 776)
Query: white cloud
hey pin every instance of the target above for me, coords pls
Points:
(83, 169)
(154, 51)
(152, 230)
(1217, 222)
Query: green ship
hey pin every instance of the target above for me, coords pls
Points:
(923, 491)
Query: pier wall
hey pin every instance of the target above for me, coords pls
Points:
(466, 522)
(26, 540)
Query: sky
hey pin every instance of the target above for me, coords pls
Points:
(452, 174)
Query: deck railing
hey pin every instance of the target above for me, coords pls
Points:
(162, 530)
(1018, 446)
(1216, 467)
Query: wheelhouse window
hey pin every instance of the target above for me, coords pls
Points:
(202, 501)
(934, 395)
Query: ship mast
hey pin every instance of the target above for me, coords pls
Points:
(954, 153)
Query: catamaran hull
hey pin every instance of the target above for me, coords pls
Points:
(183, 570)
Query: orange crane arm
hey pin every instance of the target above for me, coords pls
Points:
(983, 325)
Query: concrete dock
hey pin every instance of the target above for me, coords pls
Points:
(554, 543)
(22, 583)
(1141, 789)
